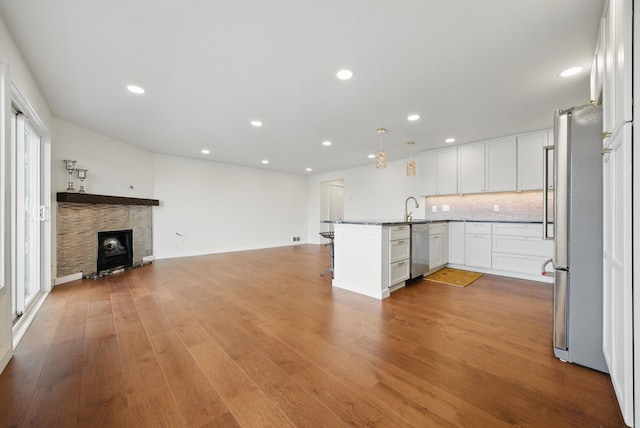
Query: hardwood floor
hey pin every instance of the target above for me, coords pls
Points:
(259, 339)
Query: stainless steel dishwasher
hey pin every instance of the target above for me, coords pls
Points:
(419, 249)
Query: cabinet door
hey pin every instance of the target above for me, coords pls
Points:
(617, 266)
(471, 169)
(456, 243)
(501, 165)
(530, 158)
(447, 171)
(429, 173)
(617, 79)
(478, 250)
(435, 251)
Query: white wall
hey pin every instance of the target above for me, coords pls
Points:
(369, 193)
(113, 166)
(218, 207)
(12, 70)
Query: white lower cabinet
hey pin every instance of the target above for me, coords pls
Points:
(399, 268)
(478, 245)
(438, 245)
(399, 272)
(456, 242)
(519, 247)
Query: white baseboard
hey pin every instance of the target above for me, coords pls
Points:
(21, 326)
(206, 252)
(68, 278)
(5, 356)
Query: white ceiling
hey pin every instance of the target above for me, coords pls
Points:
(472, 70)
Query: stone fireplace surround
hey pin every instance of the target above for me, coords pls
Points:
(81, 216)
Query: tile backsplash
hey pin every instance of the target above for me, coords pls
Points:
(513, 206)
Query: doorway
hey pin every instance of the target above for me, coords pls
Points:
(331, 203)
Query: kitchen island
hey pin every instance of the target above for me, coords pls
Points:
(372, 257)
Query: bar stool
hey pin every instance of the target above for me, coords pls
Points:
(329, 236)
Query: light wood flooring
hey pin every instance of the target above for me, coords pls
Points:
(259, 339)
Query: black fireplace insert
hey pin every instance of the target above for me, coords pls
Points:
(115, 249)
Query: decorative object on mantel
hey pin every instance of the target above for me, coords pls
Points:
(88, 198)
(381, 155)
(82, 175)
(411, 164)
(70, 165)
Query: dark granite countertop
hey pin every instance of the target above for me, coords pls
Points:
(388, 222)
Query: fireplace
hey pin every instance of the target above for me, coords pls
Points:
(115, 250)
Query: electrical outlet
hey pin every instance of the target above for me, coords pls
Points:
(496, 208)
(296, 239)
(445, 208)
(434, 208)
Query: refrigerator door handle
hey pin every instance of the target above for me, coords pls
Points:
(545, 193)
(560, 310)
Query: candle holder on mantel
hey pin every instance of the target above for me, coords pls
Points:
(82, 175)
(70, 165)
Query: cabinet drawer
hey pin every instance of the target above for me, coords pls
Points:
(518, 229)
(479, 228)
(518, 263)
(398, 272)
(436, 228)
(522, 245)
(399, 250)
(399, 232)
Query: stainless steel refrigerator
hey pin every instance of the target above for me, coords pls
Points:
(576, 226)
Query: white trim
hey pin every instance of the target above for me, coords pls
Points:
(508, 274)
(68, 278)
(23, 323)
(5, 356)
(207, 252)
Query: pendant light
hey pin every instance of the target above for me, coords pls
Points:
(411, 164)
(381, 155)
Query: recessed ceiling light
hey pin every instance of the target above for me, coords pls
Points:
(265, 161)
(256, 123)
(135, 89)
(450, 140)
(326, 143)
(571, 71)
(413, 117)
(371, 156)
(344, 74)
(205, 151)
(309, 169)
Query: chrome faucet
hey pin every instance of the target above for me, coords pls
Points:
(407, 214)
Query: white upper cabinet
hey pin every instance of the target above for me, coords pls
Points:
(530, 159)
(438, 172)
(616, 80)
(447, 171)
(501, 165)
(429, 172)
(471, 168)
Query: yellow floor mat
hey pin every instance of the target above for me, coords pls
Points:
(459, 278)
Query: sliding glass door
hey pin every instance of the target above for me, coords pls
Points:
(30, 213)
